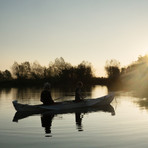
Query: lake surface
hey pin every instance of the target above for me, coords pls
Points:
(123, 125)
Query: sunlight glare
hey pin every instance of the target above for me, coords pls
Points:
(144, 52)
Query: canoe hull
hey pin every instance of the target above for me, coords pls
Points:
(66, 105)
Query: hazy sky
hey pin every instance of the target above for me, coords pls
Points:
(77, 30)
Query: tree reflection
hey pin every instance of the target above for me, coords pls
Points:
(143, 103)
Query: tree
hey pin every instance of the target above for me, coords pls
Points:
(112, 68)
(37, 71)
(59, 65)
(25, 70)
(84, 71)
(21, 71)
(135, 75)
(7, 75)
(1, 76)
(16, 70)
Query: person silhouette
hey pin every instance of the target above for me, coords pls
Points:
(78, 92)
(46, 95)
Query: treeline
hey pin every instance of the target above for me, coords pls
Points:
(135, 76)
(5, 75)
(132, 77)
(58, 72)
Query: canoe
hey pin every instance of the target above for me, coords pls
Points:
(65, 105)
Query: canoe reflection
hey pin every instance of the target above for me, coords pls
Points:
(48, 116)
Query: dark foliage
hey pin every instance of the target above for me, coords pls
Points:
(58, 72)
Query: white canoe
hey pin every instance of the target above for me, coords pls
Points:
(65, 105)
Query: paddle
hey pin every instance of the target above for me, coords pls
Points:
(59, 98)
(64, 96)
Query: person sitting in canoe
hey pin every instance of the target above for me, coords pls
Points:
(46, 95)
(78, 93)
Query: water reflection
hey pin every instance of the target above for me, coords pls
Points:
(141, 99)
(97, 128)
(142, 103)
(48, 117)
(46, 122)
(78, 119)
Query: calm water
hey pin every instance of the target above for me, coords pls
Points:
(127, 128)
